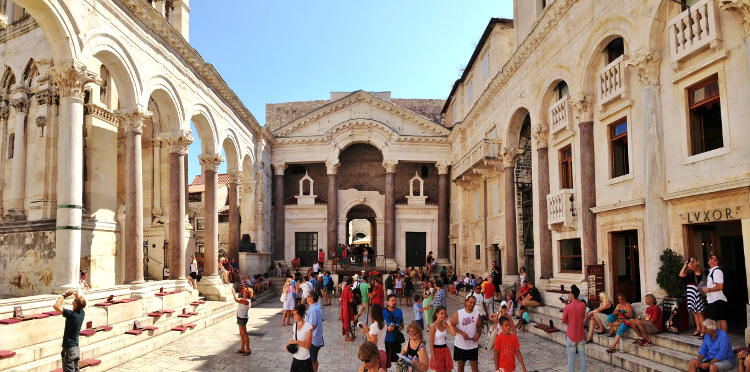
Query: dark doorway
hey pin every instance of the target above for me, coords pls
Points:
(625, 265)
(306, 247)
(416, 248)
(724, 239)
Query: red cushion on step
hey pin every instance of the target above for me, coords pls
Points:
(134, 332)
(87, 332)
(150, 328)
(160, 294)
(104, 328)
(179, 328)
(185, 315)
(195, 303)
(103, 304)
(167, 311)
(57, 370)
(155, 314)
(10, 321)
(195, 314)
(189, 325)
(6, 354)
(52, 313)
(89, 362)
(39, 316)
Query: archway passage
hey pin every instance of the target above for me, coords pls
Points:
(361, 232)
(524, 192)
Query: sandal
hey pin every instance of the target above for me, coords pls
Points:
(611, 350)
(696, 333)
(646, 343)
(611, 334)
(639, 342)
(701, 335)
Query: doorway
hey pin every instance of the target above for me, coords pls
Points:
(724, 239)
(416, 248)
(306, 247)
(626, 270)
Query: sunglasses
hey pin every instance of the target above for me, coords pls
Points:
(365, 360)
(413, 333)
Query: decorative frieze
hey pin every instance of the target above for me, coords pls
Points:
(646, 65)
(71, 78)
(740, 9)
(211, 161)
(100, 113)
(20, 105)
(132, 119)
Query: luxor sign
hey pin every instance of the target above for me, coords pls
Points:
(711, 215)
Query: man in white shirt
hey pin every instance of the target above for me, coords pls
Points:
(479, 297)
(468, 328)
(714, 290)
(316, 267)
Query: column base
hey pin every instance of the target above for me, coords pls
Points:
(511, 282)
(214, 289)
(182, 285)
(391, 263)
(15, 215)
(64, 288)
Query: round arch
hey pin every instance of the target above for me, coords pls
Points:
(231, 150)
(592, 60)
(160, 83)
(513, 131)
(58, 24)
(206, 127)
(103, 48)
(548, 97)
(371, 132)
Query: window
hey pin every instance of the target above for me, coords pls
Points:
(194, 196)
(486, 65)
(705, 116)
(496, 198)
(200, 248)
(469, 92)
(199, 223)
(687, 3)
(614, 49)
(618, 147)
(570, 256)
(566, 168)
(561, 90)
(477, 206)
(478, 252)
(223, 217)
(11, 145)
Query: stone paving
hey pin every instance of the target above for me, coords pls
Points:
(214, 348)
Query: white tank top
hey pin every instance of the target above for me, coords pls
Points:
(440, 336)
(242, 310)
(467, 322)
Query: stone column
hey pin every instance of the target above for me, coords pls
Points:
(4, 114)
(333, 206)
(278, 212)
(390, 209)
(248, 202)
(211, 285)
(178, 148)
(156, 210)
(132, 121)
(582, 110)
(70, 80)
(741, 10)
(443, 251)
(235, 179)
(656, 227)
(540, 136)
(511, 247)
(20, 105)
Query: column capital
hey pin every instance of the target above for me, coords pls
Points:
(509, 156)
(582, 108)
(540, 136)
(646, 63)
(235, 177)
(740, 9)
(44, 97)
(332, 166)
(390, 165)
(211, 161)
(179, 141)
(442, 167)
(132, 118)
(4, 112)
(71, 78)
(20, 104)
(278, 168)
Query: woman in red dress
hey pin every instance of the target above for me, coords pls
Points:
(346, 314)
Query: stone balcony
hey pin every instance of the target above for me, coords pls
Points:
(561, 210)
(560, 116)
(693, 30)
(612, 81)
(483, 154)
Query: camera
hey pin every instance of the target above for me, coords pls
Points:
(292, 348)
(360, 325)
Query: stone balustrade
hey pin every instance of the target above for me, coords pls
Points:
(561, 208)
(559, 115)
(612, 81)
(693, 30)
(485, 149)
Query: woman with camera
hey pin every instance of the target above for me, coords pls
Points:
(243, 305)
(692, 276)
(376, 332)
(299, 345)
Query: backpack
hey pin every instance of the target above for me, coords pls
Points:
(727, 290)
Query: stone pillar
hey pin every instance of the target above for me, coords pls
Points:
(235, 179)
(211, 285)
(278, 212)
(4, 114)
(132, 121)
(333, 206)
(511, 247)
(16, 210)
(540, 136)
(70, 80)
(178, 147)
(390, 209)
(443, 251)
(588, 191)
(156, 210)
(656, 227)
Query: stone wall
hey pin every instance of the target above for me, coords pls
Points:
(429, 108)
(27, 258)
(361, 169)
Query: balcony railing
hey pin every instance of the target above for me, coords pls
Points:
(559, 115)
(561, 208)
(612, 81)
(483, 150)
(693, 29)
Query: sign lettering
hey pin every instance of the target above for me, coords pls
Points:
(711, 215)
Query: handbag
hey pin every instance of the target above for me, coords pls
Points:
(400, 339)
(293, 348)
(283, 297)
(491, 339)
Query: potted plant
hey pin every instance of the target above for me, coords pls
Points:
(675, 312)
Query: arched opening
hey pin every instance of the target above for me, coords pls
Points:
(361, 168)
(361, 232)
(524, 195)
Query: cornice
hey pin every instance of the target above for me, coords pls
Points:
(101, 113)
(353, 124)
(361, 97)
(552, 16)
(152, 21)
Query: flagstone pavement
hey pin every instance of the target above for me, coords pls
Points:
(214, 348)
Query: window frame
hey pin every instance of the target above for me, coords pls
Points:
(694, 105)
(560, 256)
(477, 252)
(612, 139)
(567, 170)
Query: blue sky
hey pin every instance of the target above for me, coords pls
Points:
(283, 51)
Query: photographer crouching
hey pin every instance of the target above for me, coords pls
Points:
(73, 322)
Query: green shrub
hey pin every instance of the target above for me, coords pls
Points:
(668, 277)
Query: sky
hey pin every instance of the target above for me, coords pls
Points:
(293, 50)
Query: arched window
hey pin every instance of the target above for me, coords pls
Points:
(561, 90)
(11, 145)
(104, 75)
(614, 49)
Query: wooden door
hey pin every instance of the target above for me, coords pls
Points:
(416, 247)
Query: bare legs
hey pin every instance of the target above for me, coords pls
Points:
(245, 347)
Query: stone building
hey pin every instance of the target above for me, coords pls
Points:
(97, 101)
(633, 116)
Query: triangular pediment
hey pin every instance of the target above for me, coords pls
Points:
(361, 105)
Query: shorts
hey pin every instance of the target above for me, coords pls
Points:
(717, 310)
(649, 327)
(363, 308)
(460, 354)
(242, 321)
(420, 322)
(314, 353)
(523, 321)
(301, 365)
(724, 365)
(400, 291)
(622, 329)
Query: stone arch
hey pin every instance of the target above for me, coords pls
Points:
(30, 72)
(513, 131)
(656, 38)
(206, 127)
(232, 150)
(8, 80)
(58, 24)
(593, 59)
(362, 202)
(105, 49)
(549, 98)
(371, 132)
(165, 114)
(159, 86)
(248, 167)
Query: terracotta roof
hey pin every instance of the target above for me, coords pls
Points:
(198, 186)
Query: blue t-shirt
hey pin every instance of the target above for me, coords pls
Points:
(417, 314)
(326, 280)
(314, 282)
(294, 288)
(719, 348)
(314, 316)
(73, 323)
(397, 319)
(526, 317)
